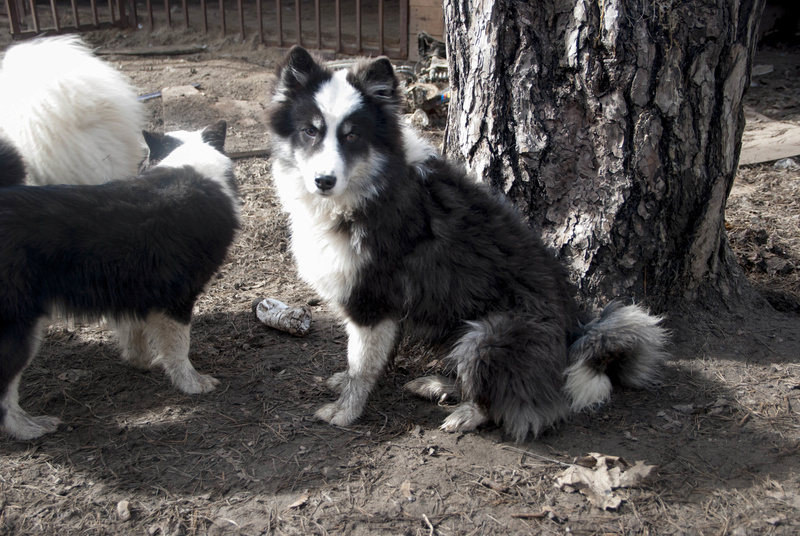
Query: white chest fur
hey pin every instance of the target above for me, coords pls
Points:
(327, 259)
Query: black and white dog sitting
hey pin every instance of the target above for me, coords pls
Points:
(404, 244)
(137, 252)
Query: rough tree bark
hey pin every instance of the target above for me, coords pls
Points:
(615, 126)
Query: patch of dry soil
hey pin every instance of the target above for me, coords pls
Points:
(134, 456)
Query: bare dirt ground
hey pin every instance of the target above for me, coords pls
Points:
(134, 456)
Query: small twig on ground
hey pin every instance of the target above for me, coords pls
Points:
(430, 526)
(533, 455)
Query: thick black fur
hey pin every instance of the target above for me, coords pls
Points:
(124, 250)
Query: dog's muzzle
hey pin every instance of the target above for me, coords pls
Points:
(325, 182)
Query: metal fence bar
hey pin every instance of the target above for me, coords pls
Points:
(13, 17)
(319, 24)
(260, 22)
(56, 21)
(297, 22)
(338, 9)
(403, 29)
(344, 33)
(358, 25)
(35, 16)
(95, 18)
(149, 7)
(125, 19)
(222, 16)
(204, 16)
(279, 21)
(380, 28)
(75, 13)
(240, 6)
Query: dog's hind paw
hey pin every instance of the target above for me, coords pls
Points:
(336, 415)
(436, 388)
(465, 417)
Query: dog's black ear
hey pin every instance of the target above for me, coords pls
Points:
(214, 135)
(159, 146)
(12, 166)
(299, 68)
(378, 80)
(156, 145)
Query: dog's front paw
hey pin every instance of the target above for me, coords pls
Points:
(197, 384)
(465, 418)
(20, 425)
(336, 415)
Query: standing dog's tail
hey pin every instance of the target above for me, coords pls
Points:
(623, 345)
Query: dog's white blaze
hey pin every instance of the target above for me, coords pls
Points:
(327, 161)
(336, 99)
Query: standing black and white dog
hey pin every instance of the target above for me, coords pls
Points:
(404, 244)
(137, 252)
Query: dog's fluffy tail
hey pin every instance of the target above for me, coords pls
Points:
(624, 345)
(515, 370)
(512, 365)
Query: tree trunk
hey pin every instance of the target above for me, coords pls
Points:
(615, 127)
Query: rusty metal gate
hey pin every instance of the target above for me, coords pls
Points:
(348, 26)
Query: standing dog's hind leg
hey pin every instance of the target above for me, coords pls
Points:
(437, 388)
(171, 340)
(133, 342)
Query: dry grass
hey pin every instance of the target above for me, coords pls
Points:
(723, 429)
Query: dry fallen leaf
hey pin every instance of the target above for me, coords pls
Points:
(790, 499)
(547, 512)
(491, 484)
(597, 481)
(301, 501)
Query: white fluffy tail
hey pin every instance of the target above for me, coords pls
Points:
(74, 118)
(625, 344)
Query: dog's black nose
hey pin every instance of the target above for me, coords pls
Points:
(325, 182)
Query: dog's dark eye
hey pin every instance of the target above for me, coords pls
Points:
(311, 132)
(351, 137)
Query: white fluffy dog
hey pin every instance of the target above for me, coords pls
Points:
(74, 118)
